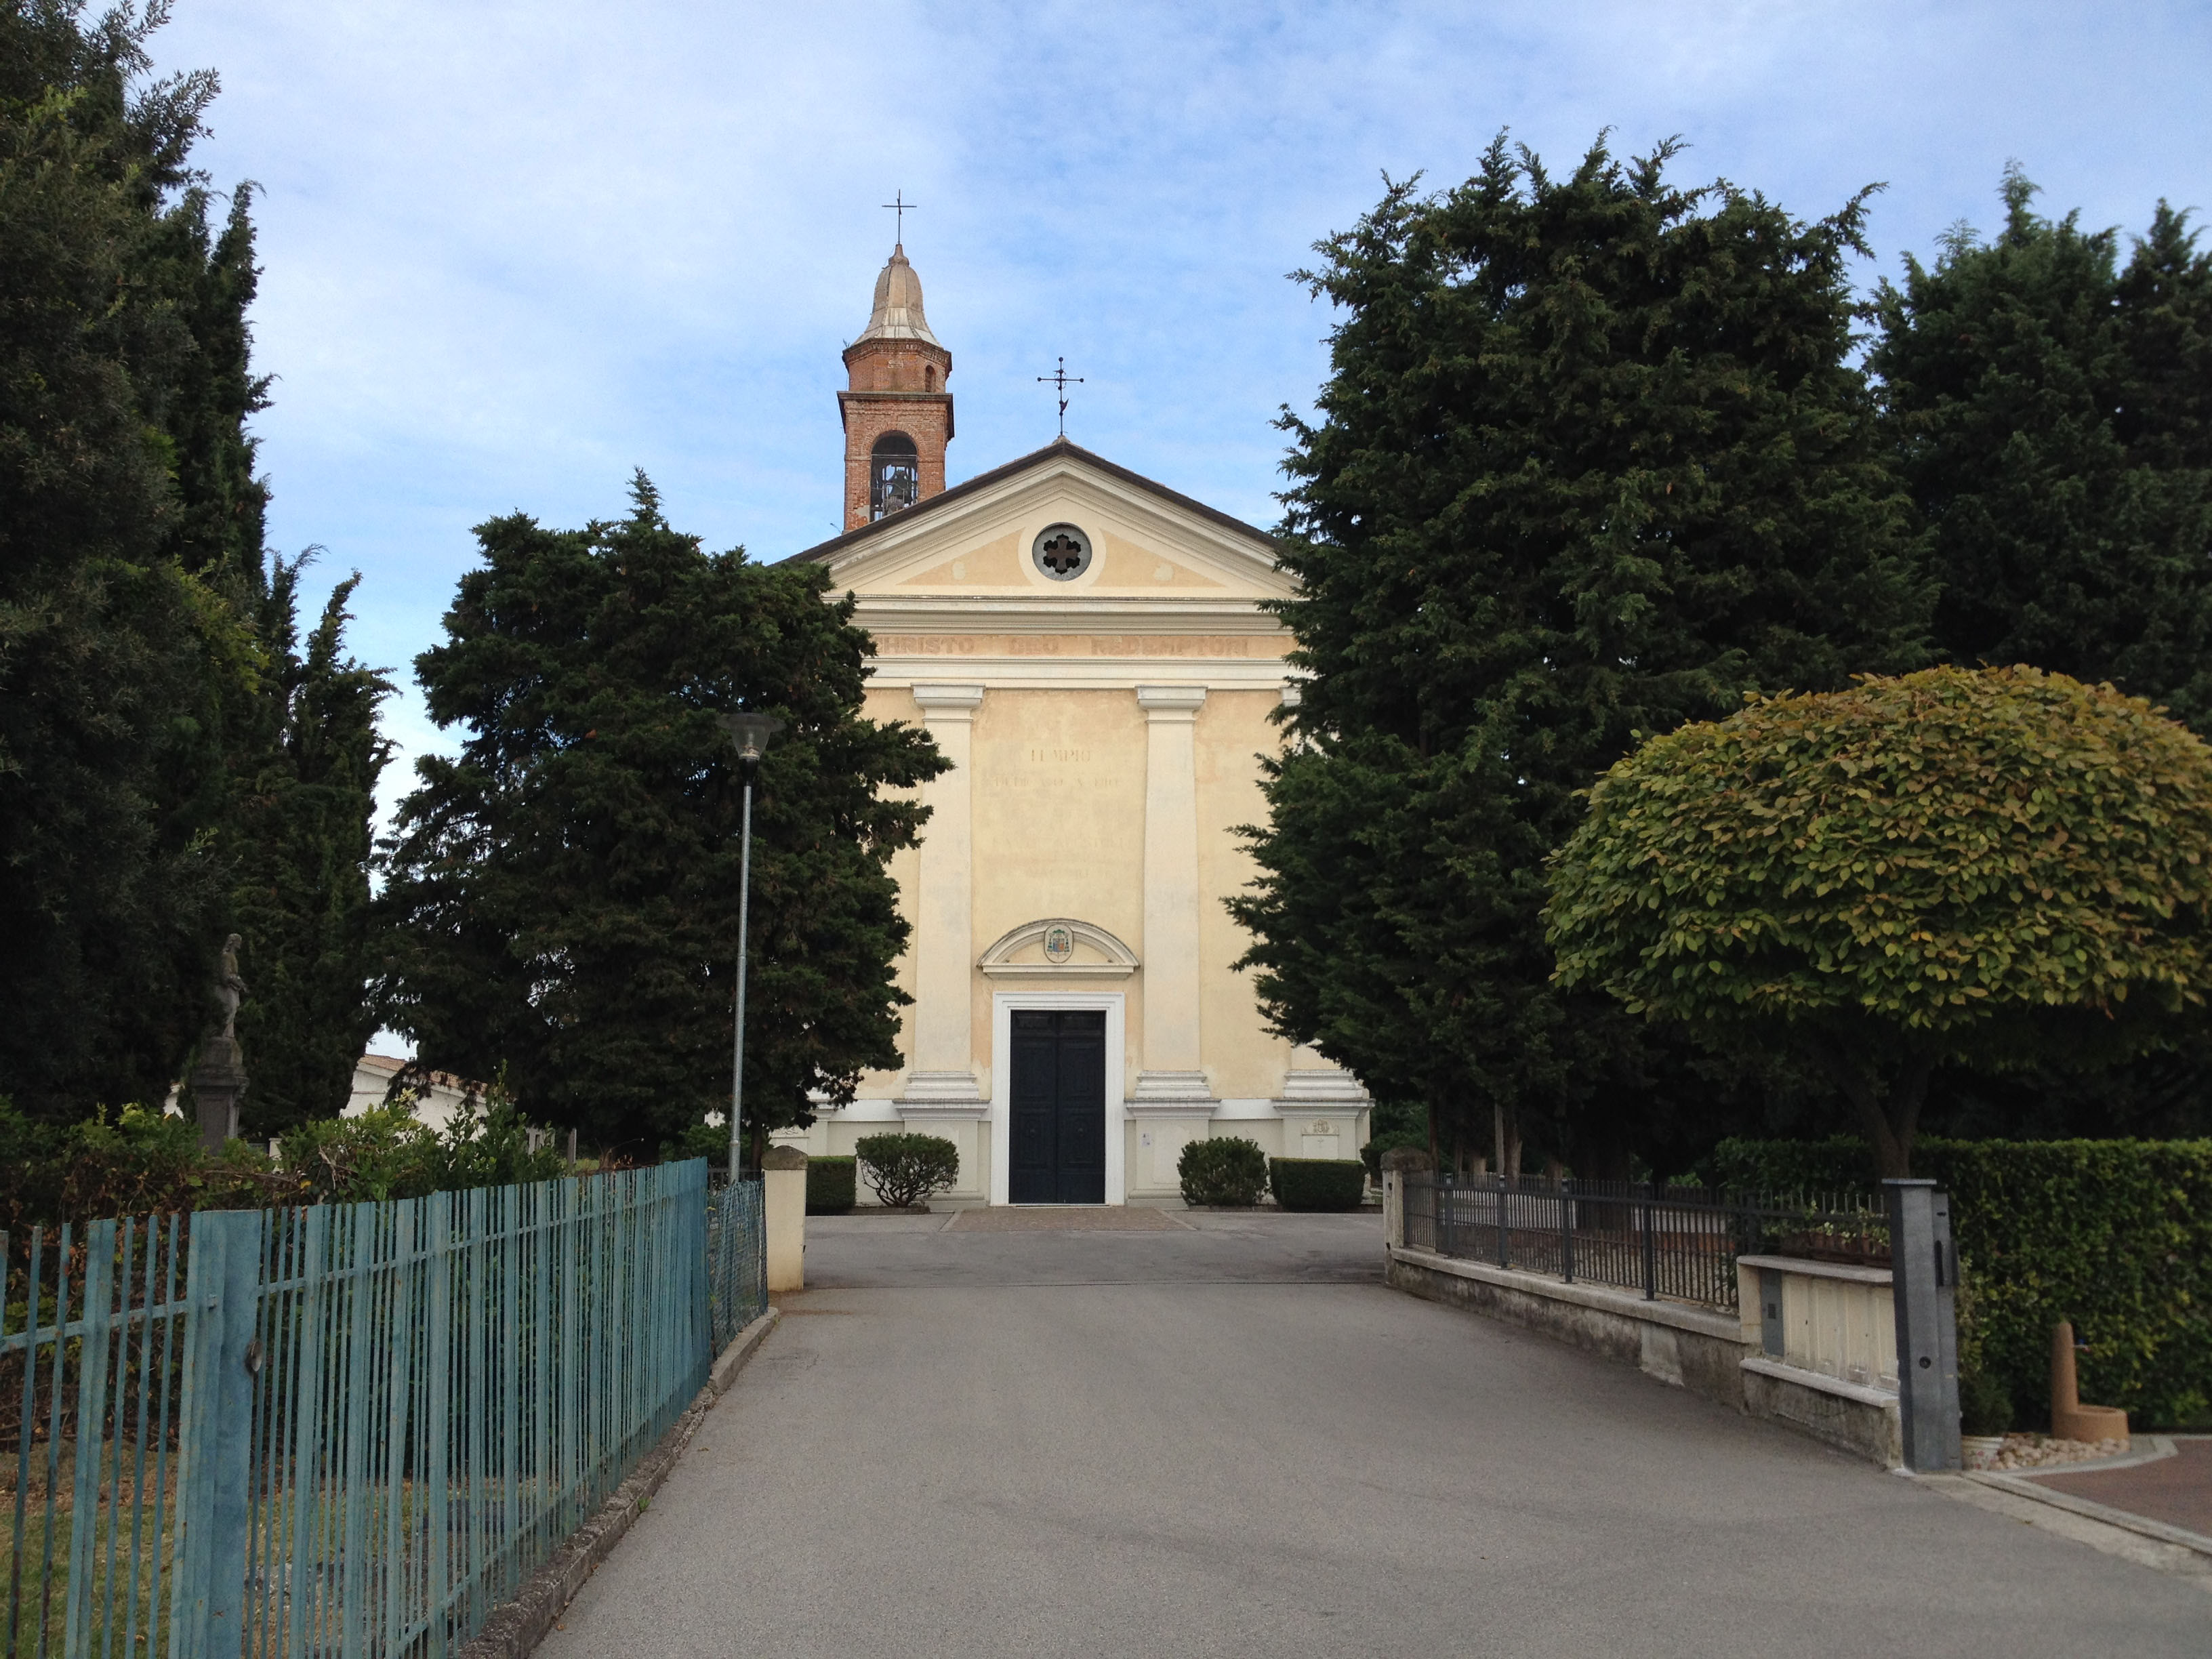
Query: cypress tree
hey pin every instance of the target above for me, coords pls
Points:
(112, 656)
(153, 707)
(2051, 413)
(305, 794)
(1592, 461)
(562, 897)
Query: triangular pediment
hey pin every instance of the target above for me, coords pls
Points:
(979, 541)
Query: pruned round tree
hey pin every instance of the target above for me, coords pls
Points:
(1993, 866)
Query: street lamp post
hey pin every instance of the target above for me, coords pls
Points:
(750, 732)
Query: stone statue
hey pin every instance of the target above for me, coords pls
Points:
(220, 1077)
(229, 988)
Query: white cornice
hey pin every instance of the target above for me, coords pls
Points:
(897, 545)
(1178, 699)
(1045, 613)
(1083, 674)
(939, 694)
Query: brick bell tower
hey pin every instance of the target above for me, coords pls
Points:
(897, 414)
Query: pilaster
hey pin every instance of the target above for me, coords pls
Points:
(1173, 1069)
(944, 1071)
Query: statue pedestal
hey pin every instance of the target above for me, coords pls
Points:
(216, 1083)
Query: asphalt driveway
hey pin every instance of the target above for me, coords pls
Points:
(1227, 1436)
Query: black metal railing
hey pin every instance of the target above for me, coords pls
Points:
(1675, 1243)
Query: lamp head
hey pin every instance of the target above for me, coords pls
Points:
(750, 732)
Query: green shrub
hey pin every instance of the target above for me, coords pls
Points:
(708, 1140)
(1317, 1183)
(145, 1162)
(830, 1185)
(1228, 1172)
(904, 1169)
(1984, 1407)
(1389, 1140)
(2115, 1235)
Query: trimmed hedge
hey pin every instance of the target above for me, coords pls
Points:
(1232, 1171)
(1317, 1183)
(2115, 1235)
(830, 1189)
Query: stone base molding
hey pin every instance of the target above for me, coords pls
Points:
(927, 1088)
(1172, 1088)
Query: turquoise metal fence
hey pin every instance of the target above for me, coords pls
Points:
(737, 1259)
(348, 1431)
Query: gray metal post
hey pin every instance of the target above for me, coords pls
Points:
(1923, 1281)
(745, 915)
(1651, 1248)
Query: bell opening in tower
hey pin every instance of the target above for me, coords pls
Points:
(895, 473)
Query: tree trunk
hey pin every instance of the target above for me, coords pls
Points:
(1890, 1117)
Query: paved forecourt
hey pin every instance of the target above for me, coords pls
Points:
(1227, 1437)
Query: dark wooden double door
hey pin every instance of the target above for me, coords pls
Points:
(1059, 1096)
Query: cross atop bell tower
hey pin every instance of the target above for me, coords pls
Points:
(897, 414)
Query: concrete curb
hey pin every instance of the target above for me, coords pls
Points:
(2130, 1537)
(515, 1628)
(2165, 1534)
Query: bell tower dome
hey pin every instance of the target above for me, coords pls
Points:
(897, 414)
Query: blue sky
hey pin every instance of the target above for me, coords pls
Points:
(511, 251)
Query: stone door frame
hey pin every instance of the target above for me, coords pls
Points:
(1113, 1006)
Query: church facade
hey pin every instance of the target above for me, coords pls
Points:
(1087, 648)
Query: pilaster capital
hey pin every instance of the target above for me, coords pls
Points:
(948, 701)
(1168, 702)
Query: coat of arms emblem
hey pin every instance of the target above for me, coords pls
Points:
(1059, 943)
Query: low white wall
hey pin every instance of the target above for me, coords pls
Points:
(1834, 1377)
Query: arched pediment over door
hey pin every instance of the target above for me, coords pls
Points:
(1056, 947)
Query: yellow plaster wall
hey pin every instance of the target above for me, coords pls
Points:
(1233, 731)
(1059, 830)
(890, 704)
(1124, 564)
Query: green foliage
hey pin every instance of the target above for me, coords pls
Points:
(168, 770)
(111, 899)
(1838, 1163)
(137, 1164)
(1592, 461)
(2051, 412)
(2051, 407)
(1229, 1171)
(1984, 1406)
(565, 893)
(830, 1185)
(386, 1153)
(1988, 863)
(1370, 1155)
(301, 845)
(708, 1140)
(143, 1163)
(2114, 1234)
(904, 1169)
(1317, 1183)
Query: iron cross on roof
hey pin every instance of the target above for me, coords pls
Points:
(900, 206)
(1061, 379)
